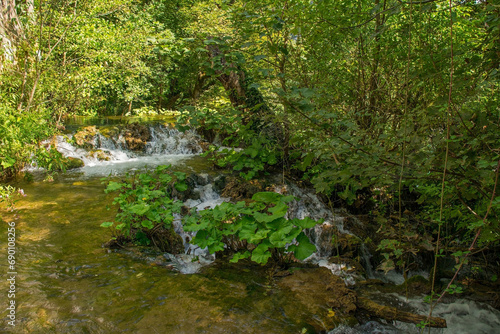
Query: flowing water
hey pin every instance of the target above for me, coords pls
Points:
(68, 283)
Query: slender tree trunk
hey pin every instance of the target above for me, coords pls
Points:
(237, 85)
(160, 93)
(198, 87)
(10, 31)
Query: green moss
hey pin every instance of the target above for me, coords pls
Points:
(72, 163)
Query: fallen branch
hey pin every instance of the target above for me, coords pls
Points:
(392, 313)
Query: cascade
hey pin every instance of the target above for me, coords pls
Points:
(194, 258)
(109, 154)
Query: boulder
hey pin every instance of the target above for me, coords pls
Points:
(136, 136)
(85, 137)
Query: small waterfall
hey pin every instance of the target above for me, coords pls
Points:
(209, 198)
(194, 257)
(307, 204)
(114, 144)
(366, 261)
(164, 141)
(106, 151)
(171, 141)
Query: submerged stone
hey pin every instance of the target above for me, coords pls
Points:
(324, 294)
(72, 163)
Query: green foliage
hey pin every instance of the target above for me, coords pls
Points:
(50, 159)
(20, 134)
(145, 201)
(249, 161)
(257, 230)
(250, 152)
(454, 289)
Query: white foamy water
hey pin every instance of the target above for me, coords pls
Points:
(110, 156)
(172, 141)
(209, 198)
(194, 257)
(307, 204)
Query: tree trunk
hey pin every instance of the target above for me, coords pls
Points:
(198, 86)
(237, 85)
(232, 80)
(10, 30)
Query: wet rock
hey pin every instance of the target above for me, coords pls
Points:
(324, 294)
(72, 163)
(86, 137)
(351, 265)
(238, 189)
(166, 240)
(99, 155)
(418, 285)
(205, 146)
(109, 131)
(136, 136)
(219, 183)
(485, 291)
(117, 242)
(199, 179)
(189, 193)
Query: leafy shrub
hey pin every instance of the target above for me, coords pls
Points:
(249, 161)
(20, 135)
(249, 152)
(146, 206)
(257, 230)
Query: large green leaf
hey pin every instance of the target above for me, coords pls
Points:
(267, 197)
(181, 186)
(180, 176)
(277, 239)
(306, 222)
(247, 231)
(139, 209)
(279, 210)
(305, 248)
(147, 224)
(258, 236)
(113, 186)
(261, 253)
(264, 217)
(283, 225)
(238, 256)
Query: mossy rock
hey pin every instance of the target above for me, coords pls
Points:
(238, 189)
(347, 244)
(324, 294)
(72, 163)
(417, 285)
(85, 137)
(166, 240)
(109, 131)
(99, 155)
(136, 136)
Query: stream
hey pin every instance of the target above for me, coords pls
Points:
(68, 283)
